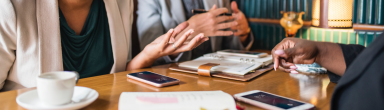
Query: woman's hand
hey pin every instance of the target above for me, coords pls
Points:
(161, 46)
(293, 51)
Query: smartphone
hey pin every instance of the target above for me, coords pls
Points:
(153, 79)
(243, 53)
(271, 101)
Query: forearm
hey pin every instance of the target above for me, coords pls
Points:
(140, 61)
(331, 57)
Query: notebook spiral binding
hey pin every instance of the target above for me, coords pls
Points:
(247, 60)
(220, 57)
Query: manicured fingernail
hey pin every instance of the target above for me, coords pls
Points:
(170, 31)
(279, 52)
(206, 39)
(274, 66)
(293, 67)
(294, 72)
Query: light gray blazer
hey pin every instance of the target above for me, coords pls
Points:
(30, 42)
(156, 17)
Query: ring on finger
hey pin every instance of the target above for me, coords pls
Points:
(173, 45)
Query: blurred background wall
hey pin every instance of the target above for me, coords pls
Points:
(264, 17)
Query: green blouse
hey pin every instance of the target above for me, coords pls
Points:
(89, 53)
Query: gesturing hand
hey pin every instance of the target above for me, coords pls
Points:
(211, 24)
(292, 51)
(162, 47)
(242, 28)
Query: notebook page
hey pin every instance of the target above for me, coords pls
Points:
(227, 66)
(265, 60)
(196, 100)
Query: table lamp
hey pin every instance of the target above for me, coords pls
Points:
(332, 13)
(291, 21)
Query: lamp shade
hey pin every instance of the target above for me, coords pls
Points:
(332, 13)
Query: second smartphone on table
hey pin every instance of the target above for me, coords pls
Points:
(153, 79)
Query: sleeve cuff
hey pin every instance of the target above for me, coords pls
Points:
(251, 39)
(333, 77)
(350, 52)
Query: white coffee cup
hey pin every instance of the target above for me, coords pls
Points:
(56, 88)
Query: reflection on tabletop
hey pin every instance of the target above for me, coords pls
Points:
(144, 85)
(312, 87)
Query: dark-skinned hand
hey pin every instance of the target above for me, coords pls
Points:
(293, 51)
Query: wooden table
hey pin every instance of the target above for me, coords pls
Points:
(315, 89)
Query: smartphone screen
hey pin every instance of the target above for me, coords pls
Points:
(153, 77)
(273, 100)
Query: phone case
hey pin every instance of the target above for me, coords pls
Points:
(152, 83)
(267, 106)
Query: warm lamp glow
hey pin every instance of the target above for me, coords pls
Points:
(332, 13)
(291, 22)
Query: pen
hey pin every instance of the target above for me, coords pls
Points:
(199, 11)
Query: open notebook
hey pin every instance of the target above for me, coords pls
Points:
(194, 100)
(233, 64)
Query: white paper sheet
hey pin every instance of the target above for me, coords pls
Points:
(194, 100)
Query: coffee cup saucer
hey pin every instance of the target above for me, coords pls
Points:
(82, 97)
